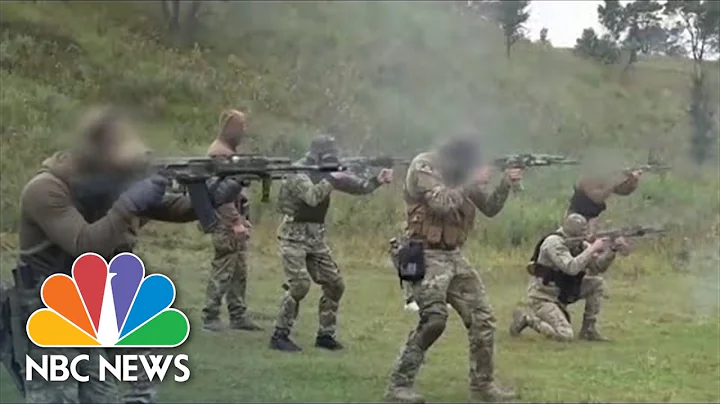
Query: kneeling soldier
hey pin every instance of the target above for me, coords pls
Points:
(565, 269)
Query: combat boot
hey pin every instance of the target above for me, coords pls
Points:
(328, 342)
(214, 325)
(244, 323)
(403, 395)
(588, 332)
(519, 322)
(491, 393)
(280, 341)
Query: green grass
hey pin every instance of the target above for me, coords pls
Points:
(382, 73)
(665, 348)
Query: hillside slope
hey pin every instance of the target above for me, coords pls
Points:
(386, 76)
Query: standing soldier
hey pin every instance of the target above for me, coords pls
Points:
(565, 271)
(304, 201)
(88, 200)
(230, 239)
(442, 192)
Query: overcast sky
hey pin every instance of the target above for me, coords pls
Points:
(564, 20)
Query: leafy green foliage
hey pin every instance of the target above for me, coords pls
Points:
(601, 49)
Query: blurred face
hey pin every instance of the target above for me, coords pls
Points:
(116, 147)
(235, 129)
(459, 161)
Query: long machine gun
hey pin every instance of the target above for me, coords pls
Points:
(525, 160)
(196, 174)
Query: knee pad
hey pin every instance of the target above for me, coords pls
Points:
(298, 288)
(431, 327)
(564, 334)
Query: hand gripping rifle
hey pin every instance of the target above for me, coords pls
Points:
(193, 173)
(524, 160)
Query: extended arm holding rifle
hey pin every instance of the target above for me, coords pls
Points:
(526, 160)
(200, 175)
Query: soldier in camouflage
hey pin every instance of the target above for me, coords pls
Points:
(564, 272)
(88, 199)
(304, 200)
(228, 278)
(442, 193)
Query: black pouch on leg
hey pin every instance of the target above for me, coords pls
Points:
(411, 260)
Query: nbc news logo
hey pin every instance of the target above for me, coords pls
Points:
(108, 306)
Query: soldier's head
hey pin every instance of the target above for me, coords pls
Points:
(459, 156)
(575, 225)
(109, 141)
(323, 149)
(233, 126)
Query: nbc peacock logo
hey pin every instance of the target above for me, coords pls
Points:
(108, 305)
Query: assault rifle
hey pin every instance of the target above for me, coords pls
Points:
(524, 160)
(193, 174)
(626, 232)
(362, 166)
(377, 161)
(649, 168)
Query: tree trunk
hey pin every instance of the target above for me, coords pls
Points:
(508, 45)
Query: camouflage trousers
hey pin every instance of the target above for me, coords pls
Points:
(228, 278)
(143, 390)
(450, 279)
(70, 391)
(304, 262)
(407, 292)
(551, 318)
(39, 390)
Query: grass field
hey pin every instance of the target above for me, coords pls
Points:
(383, 75)
(664, 324)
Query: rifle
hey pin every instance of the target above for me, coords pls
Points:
(376, 161)
(524, 160)
(626, 232)
(193, 173)
(649, 168)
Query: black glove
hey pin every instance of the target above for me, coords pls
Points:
(144, 194)
(226, 191)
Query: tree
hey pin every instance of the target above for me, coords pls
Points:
(178, 24)
(512, 17)
(636, 28)
(602, 49)
(700, 22)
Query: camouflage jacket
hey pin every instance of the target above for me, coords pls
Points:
(305, 200)
(554, 253)
(441, 214)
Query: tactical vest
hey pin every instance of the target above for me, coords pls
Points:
(300, 211)
(582, 204)
(569, 285)
(93, 199)
(445, 232)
